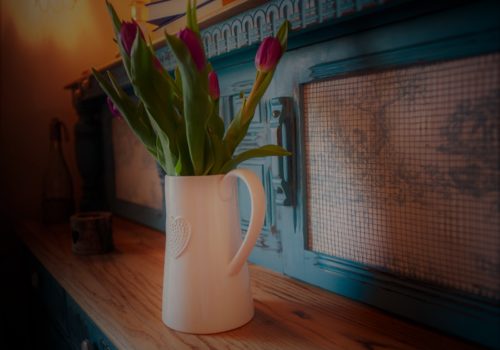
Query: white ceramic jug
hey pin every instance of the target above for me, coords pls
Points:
(206, 285)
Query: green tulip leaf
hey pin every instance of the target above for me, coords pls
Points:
(176, 118)
(215, 133)
(221, 156)
(282, 34)
(238, 128)
(179, 100)
(168, 78)
(215, 122)
(209, 156)
(169, 149)
(160, 157)
(197, 106)
(117, 23)
(264, 151)
(191, 20)
(152, 87)
(183, 166)
(140, 121)
(178, 79)
(134, 114)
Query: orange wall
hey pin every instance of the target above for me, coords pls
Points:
(42, 49)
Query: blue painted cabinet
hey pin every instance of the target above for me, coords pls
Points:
(388, 41)
(61, 323)
(349, 55)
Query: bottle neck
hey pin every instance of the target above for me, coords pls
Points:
(56, 153)
(56, 129)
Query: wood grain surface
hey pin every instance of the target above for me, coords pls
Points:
(121, 292)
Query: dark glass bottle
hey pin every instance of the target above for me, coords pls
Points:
(58, 202)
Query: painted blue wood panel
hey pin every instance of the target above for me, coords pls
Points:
(84, 328)
(53, 297)
(68, 325)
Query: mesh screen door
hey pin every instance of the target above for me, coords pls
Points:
(403, 171)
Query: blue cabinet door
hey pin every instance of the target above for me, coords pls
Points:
(83, 329)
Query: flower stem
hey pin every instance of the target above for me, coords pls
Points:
(249, 106)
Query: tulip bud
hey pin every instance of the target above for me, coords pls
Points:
(268, 54)
(213, 85)
(193, 43)
(112, 108)
(157, 64)
(128, 32)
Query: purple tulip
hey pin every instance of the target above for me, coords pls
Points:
(213, 85)
(193, 43)
(112, 108)
(268, 54)
(128, 32)
(157, 64)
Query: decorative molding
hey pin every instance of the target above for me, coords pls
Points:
(253, 26)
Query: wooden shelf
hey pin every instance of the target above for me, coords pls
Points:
(121, 292)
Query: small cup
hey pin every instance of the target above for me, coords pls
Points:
(91, 233)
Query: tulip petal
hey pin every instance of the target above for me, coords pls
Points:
(128, 32)
(112, 108)
(268, 54)
(213, 85)
(193, 43)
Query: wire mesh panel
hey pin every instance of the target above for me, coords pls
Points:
(403, 171)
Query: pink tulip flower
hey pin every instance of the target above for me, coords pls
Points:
(157, 64)
(193, 43)
(128, 32)
(213, 85)
(268, 54)
(112, 108)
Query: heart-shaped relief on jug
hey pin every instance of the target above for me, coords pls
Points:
(178, 235)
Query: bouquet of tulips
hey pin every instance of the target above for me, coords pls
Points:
(177, 116)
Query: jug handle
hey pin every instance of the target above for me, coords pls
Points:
(258, 212)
